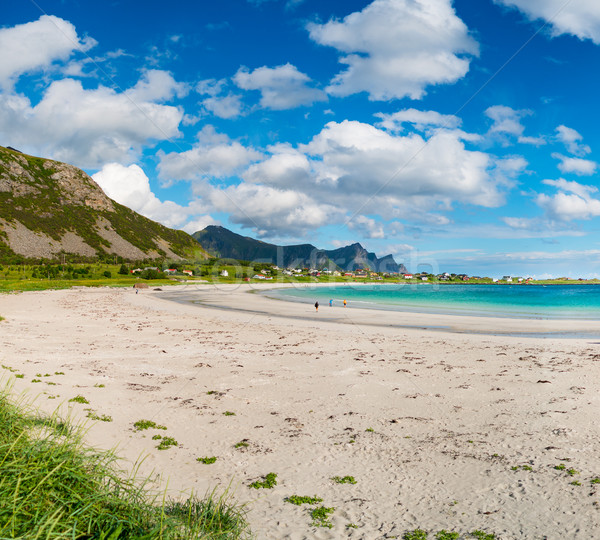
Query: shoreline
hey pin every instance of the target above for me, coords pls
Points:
(441, 430)
(233, 297)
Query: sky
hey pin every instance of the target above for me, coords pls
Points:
(460, 136)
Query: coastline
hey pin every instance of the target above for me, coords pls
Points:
(436, 426)
(235, 297)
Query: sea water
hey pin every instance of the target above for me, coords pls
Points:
(521, 301)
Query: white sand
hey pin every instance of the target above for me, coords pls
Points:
(451, 412)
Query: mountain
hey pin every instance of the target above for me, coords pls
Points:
(223, 243)
(48, 208)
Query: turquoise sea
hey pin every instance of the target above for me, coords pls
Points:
(520, 301)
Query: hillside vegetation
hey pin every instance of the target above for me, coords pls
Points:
(49, 209)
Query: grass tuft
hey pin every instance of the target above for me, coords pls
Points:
(52, 486)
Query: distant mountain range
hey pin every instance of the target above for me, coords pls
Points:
(49, 209)
(223, 243)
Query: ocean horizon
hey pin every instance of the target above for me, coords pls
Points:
(488, 300)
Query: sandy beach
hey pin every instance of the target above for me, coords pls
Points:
(445, 422)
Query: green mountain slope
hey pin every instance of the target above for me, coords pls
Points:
(221, 242)
(48, 208)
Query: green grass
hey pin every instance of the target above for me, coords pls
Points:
(299, 500)
(53, 487)
(229, 413)
(78, 399)
(344, 479)
(207, 460)
(141, 425)
(417, 534)
(320, 516)
(269, 482)
(242, 444)
(100, 417)
(166, 443)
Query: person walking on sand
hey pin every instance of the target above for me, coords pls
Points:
(317, 306)
(344, 302)
(330, 303)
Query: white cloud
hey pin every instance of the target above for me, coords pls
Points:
(506, 120)
(580, 18)
(573, 201)
(229, 106)
(396, 48)
(213, 155)
(578, 166)
(281, 87)
(367, 227)
(356, 167)
(89, 128)
(420, 119)
(271, 211)
(157, 85)
(572, 141)
(130, 187)
(36, 45)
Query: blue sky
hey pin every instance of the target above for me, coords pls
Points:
(459, 136)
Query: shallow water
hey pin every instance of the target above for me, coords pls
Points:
(521, 301)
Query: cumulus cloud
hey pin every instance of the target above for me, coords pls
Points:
(270, 211)
(91, 127)
(229, 106)
(419, 119)
(572, 141)
(580, 18)
(506, 120)
(214, 155)
(130, 187)
(350, 163)
(157, 85)
(573, 201)
(36, 45)
(578, 166)
(396, 48)
(281, 87)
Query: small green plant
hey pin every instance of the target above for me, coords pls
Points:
(211, 392)
(482, 535)
(242, 444)
(156, 437)
(514, 468)
(595, 480)
(59, 373)
(417, 534)
(344, 479)
(300, 500)
(560, 467)
(351, 526)
(228, 413)
(37, 380)
(370, 430)
(166, 443)
(527, 467)
(572, 472)
(320, 516)
(575, 483)
(207, 460)
(101, 418)
(97, 385)
(19, 375)
(141, 425)
(446, 535)
(79, 399)
(269, 482)
(50, 383)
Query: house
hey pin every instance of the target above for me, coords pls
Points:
(224, 273)
(258, 276)
(187, 272)
(407, 276)
(424, 278)
(170, 271)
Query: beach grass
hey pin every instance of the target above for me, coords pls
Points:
(52, 486)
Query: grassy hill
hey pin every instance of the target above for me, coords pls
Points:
(49, 209)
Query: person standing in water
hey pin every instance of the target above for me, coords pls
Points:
(317, 306)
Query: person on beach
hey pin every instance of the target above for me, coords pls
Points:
(344, 303)
(330, 303)
(317, 306)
